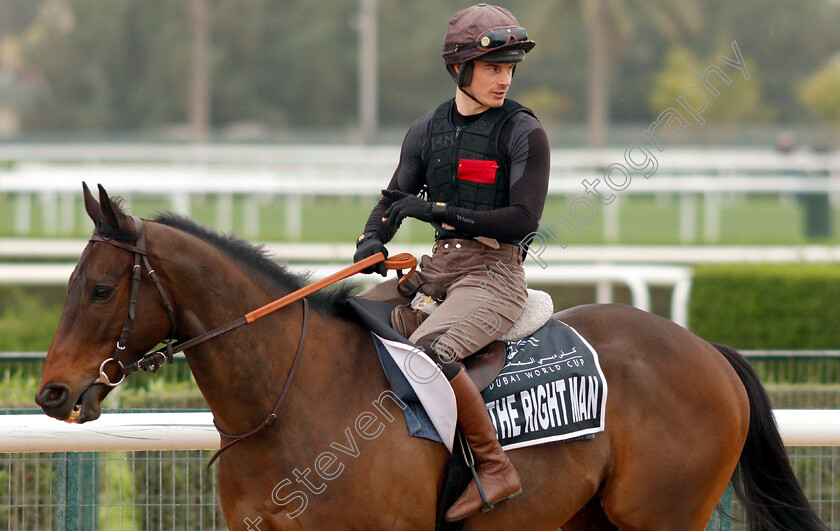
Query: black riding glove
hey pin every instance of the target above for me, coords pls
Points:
(408, 205)
(369, 244)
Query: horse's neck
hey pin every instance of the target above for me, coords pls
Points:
(241, 373)
(242, 379)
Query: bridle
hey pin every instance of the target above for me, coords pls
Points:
(140, 257)
(152, 361)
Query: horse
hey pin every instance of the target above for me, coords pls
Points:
(683, 418)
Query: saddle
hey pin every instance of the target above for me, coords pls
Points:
(486, 364)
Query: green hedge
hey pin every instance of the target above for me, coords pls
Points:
(29, 316)
(791, 306)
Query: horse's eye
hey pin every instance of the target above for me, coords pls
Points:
(100, 293)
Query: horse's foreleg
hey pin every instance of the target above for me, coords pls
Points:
(590, 518)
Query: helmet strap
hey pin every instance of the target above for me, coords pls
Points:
(470, 95)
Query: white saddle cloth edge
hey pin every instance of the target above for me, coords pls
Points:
(429, 384)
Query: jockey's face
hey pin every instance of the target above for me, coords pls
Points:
(489, 85)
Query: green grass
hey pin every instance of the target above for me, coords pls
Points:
(29, 316)
(764, 221)
(744, 220)
(173, 387)
(650, 220)
(18, 382)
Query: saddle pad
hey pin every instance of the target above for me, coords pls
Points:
(430, 402)
(410, 369)
(550, 389)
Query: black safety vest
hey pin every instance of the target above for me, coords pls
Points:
(464, 167)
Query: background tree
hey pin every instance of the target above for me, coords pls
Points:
(820, 93)
(290, 70)
(107, 64)
(609, 24)
(737, 102)
(199, 70)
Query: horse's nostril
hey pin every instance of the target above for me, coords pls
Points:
(53, 395)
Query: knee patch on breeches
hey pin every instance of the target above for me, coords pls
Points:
(449, 366)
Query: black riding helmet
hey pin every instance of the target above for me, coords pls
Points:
(486, 32)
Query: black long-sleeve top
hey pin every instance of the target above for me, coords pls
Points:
(523, 146)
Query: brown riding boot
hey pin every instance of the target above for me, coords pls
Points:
(497, 475)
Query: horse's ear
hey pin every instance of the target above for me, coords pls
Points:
(91, 206)
(111, 212)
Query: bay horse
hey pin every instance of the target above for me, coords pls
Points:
(683, 416)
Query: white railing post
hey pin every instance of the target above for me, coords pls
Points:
(612, 220)
(711, 217)
(67, 213)
(688, 215)
(251, 216)
(293, 216)
(49, 212)
(23, 213)
(224, 212)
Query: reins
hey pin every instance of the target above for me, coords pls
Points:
(152, 361)
(269, 420)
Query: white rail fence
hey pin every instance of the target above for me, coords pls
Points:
(638, 279)
(195, 431)
(289, 173)
(62, 248)
(124, 469)
(639, 268)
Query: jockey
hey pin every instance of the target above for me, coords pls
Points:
(483, 162)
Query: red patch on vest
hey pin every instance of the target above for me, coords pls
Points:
(477, 171)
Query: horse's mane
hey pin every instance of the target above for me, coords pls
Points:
(256, 258)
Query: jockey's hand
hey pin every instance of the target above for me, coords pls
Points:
(408, 205)
(368, 245)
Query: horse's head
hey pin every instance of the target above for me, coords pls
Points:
(95, 316)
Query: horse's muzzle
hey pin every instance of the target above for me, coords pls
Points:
(56, 400)
(52, 396)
